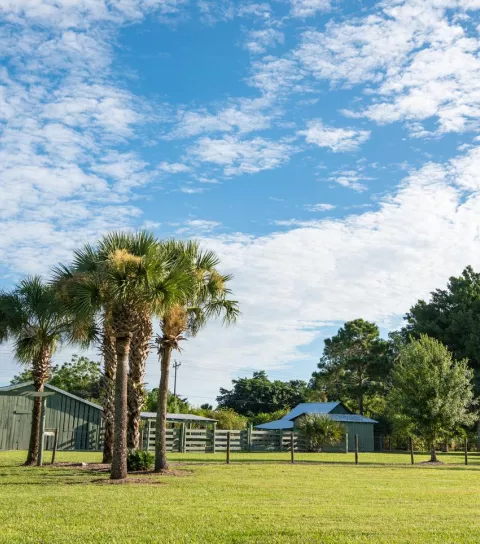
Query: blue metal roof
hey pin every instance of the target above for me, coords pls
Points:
(275, 425)
(287, 421)
(311, 408)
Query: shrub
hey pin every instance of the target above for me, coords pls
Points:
(320, 431)
(264, 417)
(139, 460)
(226, 418)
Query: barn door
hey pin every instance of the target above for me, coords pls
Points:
(22, 430)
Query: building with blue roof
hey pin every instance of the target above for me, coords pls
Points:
(355, 424)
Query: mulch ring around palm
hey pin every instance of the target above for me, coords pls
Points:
(148, 477)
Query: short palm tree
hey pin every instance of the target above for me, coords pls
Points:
(122, 277)
(34, 318)
(207, 300)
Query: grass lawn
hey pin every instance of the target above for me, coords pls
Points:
(382, 500)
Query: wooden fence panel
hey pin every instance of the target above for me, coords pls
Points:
(202, 440)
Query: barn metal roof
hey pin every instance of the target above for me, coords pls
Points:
(179, 417)
(14, 390)
(287, 421)
(311, 408)
(343, 418)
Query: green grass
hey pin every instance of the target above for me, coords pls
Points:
(253, 500)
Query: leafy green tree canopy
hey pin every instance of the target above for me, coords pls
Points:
(81, 377)
(354, 366)
(431, 391)
(452, 317)
(175, 404)
(251, 396)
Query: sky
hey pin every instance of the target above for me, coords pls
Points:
(328, 151)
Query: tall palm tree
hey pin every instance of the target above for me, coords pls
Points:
(139, 352)
(123, 276)
(207, 300)
(34, 318)
(109, 357)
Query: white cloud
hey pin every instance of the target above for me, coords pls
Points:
(307, 8)
(336, 139)
(238, 156)
(258, 41)
(242, 115)
(351, 179)
(198, 227)
(373, 265)
(174, 167)
(421, 63)
(65, 176)
(320, 207)
(192, 190)
(82, 13)
(276, 77)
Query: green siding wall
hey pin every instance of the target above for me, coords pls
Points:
(365, 436)
(79, 424)
(340, 409)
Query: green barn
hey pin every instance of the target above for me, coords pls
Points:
(79, 422)
(354, 424)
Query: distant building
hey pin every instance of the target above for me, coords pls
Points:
(354, 424)
(79, 422)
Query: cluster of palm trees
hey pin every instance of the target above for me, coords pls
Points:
(109, 295)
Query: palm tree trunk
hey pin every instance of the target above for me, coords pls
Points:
(40, 371)
(108, 393)
(136, 396)
(32, 455)
(161, 462)
(119, 460)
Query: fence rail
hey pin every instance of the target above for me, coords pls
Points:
(182, 439)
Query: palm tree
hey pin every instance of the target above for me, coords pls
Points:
(139, 352)
(34, 318)
(109, 356)
(207, 300)
(123, 277)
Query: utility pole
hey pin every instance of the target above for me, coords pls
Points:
(176, 366)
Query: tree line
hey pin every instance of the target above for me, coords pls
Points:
(421, 381)
(108, 297)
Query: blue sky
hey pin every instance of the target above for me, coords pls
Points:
(327, 150)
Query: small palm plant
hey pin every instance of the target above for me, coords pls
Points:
(34, 318)
(320, 431)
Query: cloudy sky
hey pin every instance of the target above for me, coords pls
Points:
(329, 151)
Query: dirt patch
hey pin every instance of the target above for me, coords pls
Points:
(104, 468)
(128, 480)
(432, 463)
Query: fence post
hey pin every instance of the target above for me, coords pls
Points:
(141, 442)
(228, 447)
(346, 442)
(292, 447)
(466, 451)
(182, 438)
(149, 430)
(249, 437)
(356, 449)
(55, 445)
(412, 460)
(214, 429)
